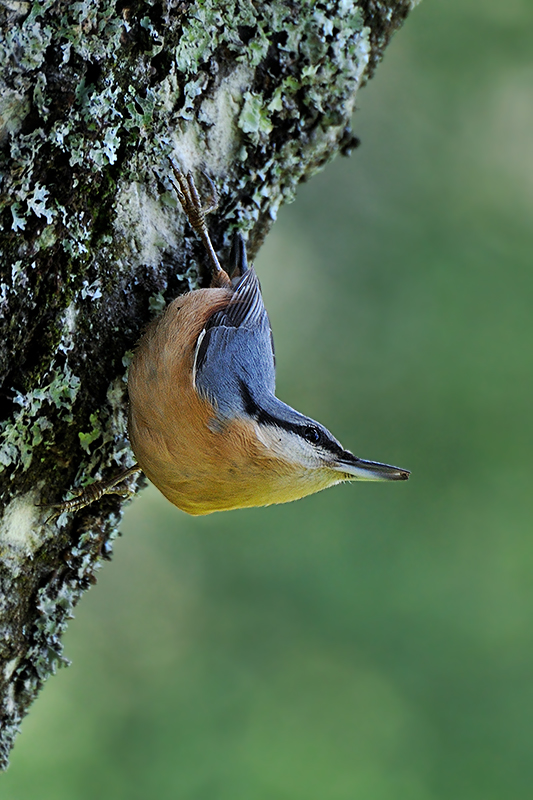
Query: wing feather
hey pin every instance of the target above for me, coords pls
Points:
(237, 346)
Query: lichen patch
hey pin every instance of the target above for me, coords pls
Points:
(222, 110)
(145, 224)
(20, 529)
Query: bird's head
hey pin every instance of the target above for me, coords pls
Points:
(295, 456)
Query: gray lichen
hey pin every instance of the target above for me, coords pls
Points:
(96, 98)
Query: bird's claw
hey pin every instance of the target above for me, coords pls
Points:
(92, 493)
(190, 199)
(196, 210)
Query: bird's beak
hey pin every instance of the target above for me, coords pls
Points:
(356, 469)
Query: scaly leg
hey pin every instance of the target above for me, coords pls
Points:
(196, 213)
(92, 493)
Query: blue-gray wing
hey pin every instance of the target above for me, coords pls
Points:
(236, 350)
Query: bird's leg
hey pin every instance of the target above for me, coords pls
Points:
(196, 211)
(92, 493)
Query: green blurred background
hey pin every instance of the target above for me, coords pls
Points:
(374, 642)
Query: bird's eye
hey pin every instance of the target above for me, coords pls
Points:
(311, 434)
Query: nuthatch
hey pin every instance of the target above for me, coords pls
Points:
(204, 422)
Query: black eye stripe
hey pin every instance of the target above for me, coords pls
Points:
(311, 433)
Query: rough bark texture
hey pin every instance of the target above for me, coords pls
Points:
(96, 97)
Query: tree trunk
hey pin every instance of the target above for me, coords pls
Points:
(96, 99)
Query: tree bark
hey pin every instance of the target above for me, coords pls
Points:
(96, 98)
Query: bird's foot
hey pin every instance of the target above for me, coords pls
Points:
(92, 493)
(196, 210)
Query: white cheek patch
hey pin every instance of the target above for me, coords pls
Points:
(290, 447)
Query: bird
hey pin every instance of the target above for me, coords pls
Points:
(204, 421)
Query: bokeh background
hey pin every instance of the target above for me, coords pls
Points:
(374, 642)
